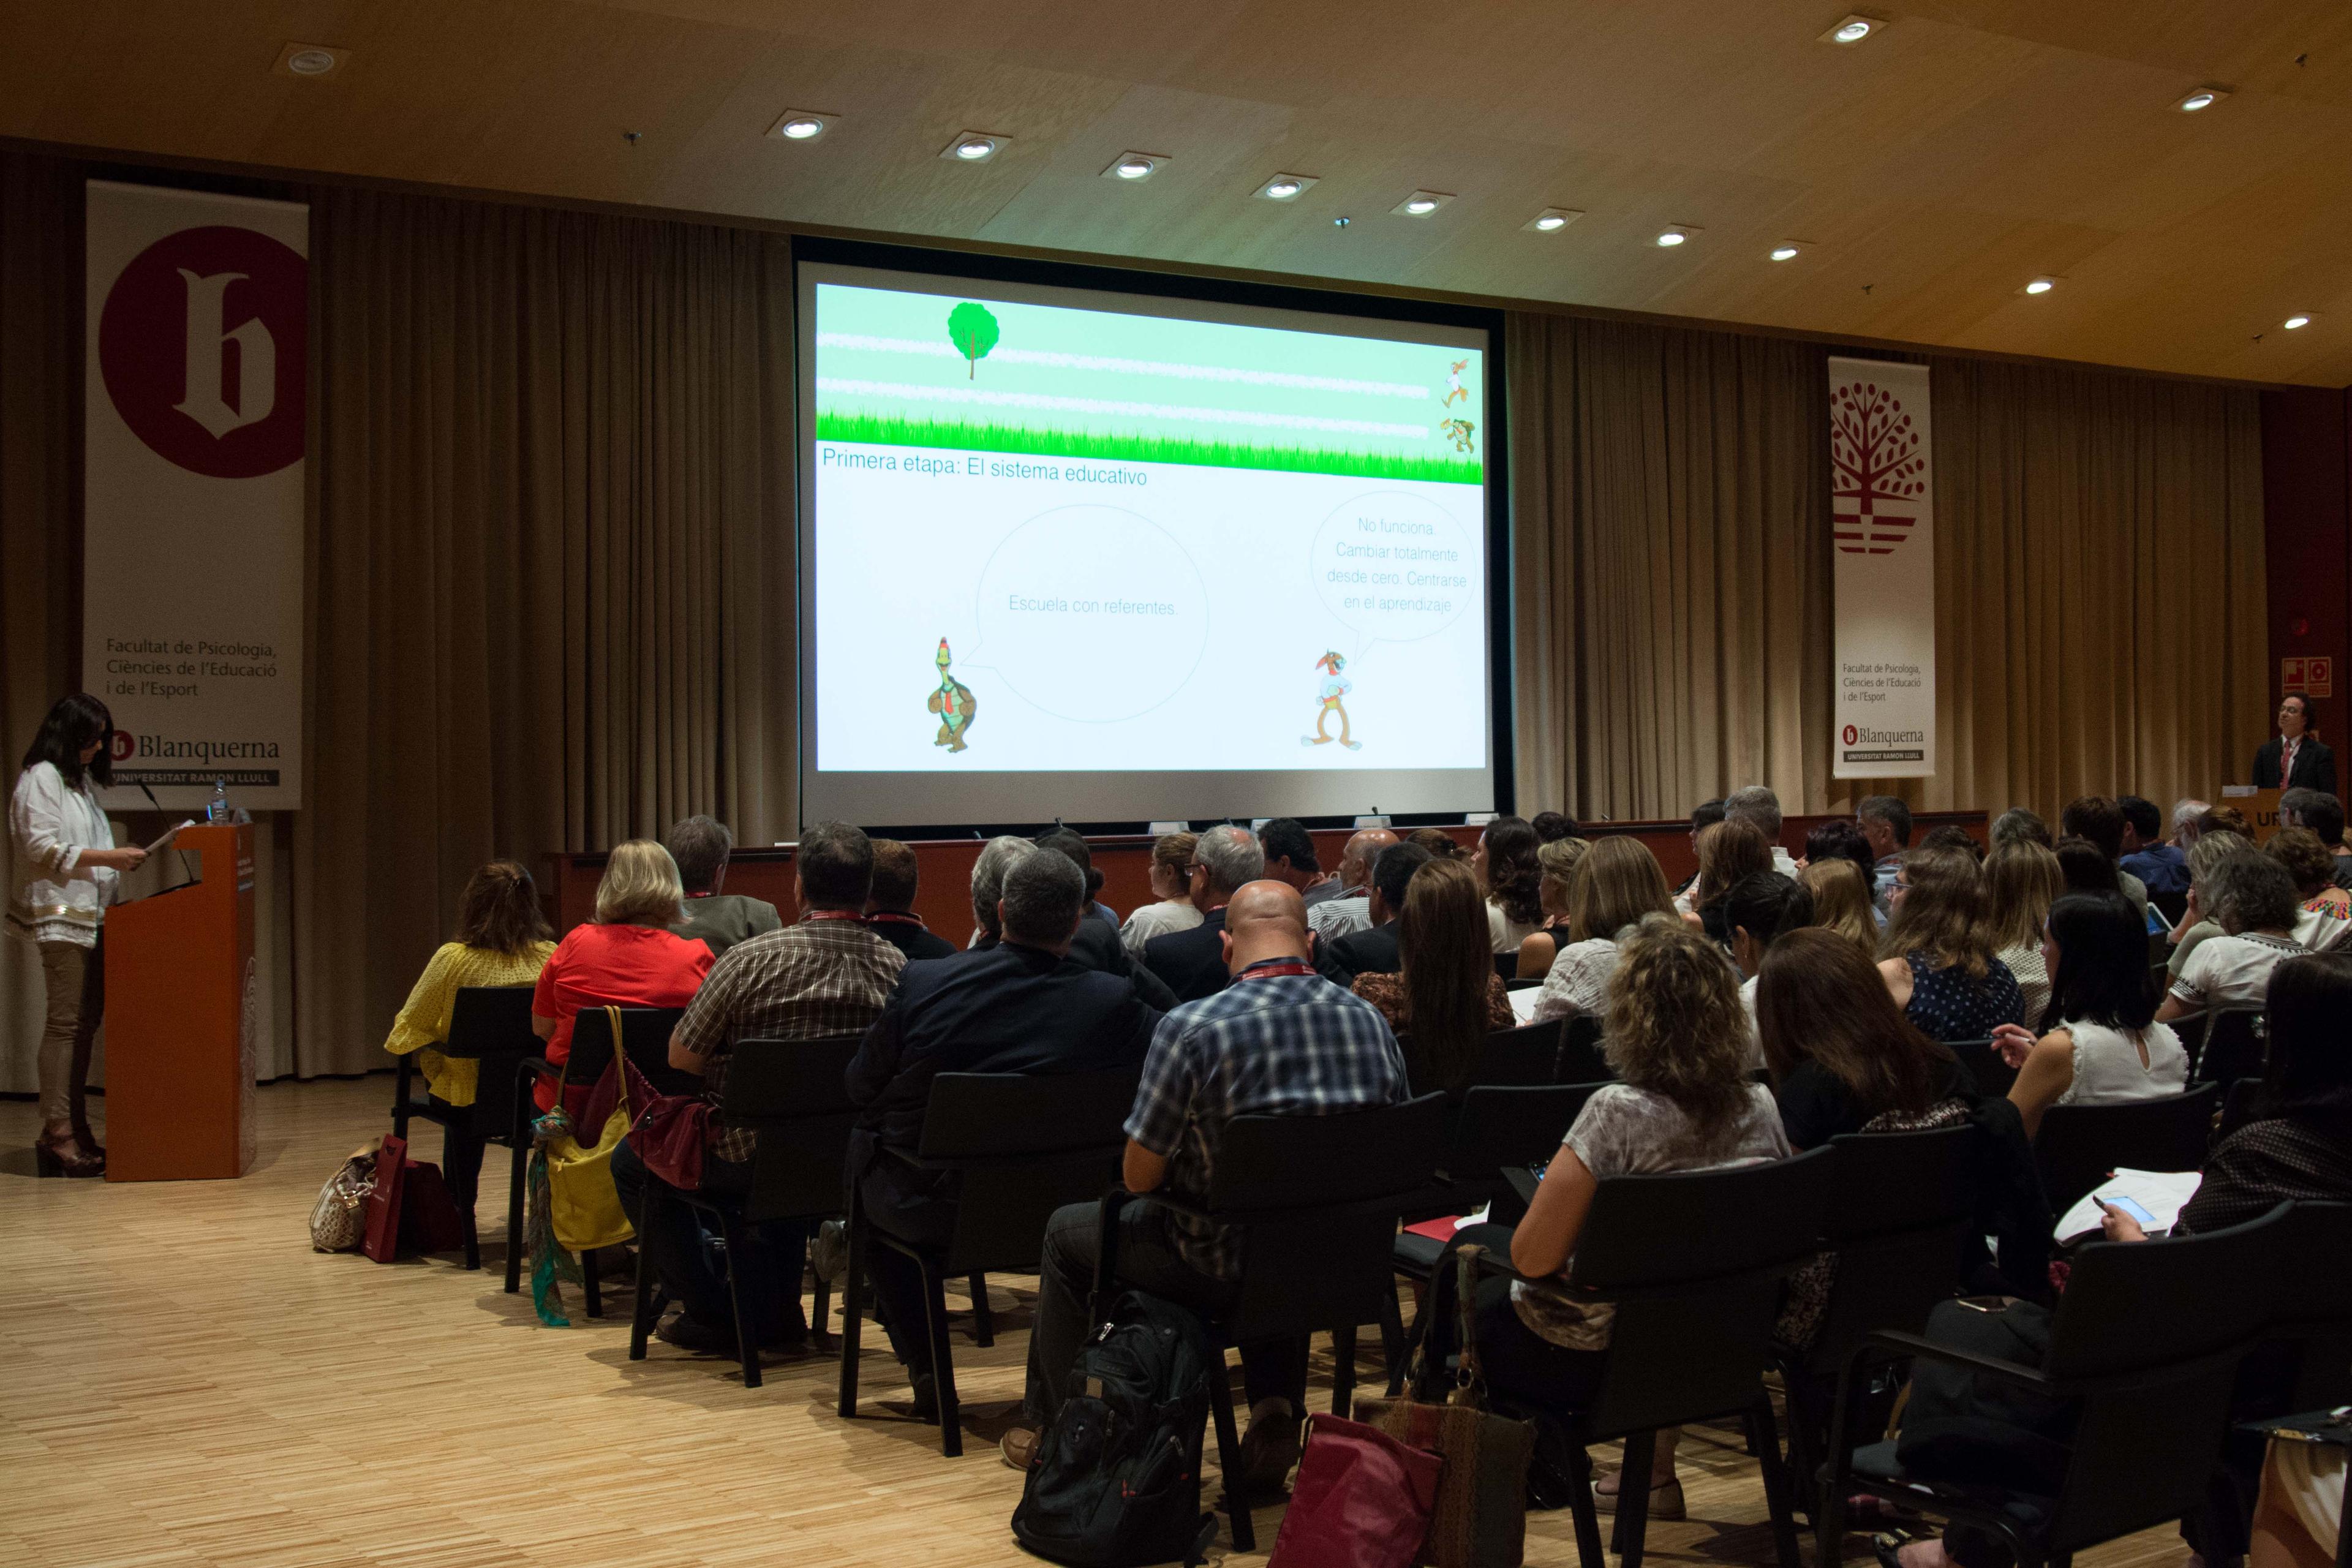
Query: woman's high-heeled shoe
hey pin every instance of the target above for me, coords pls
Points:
(54, 1156)
(1665, 1501)
(88, 1141)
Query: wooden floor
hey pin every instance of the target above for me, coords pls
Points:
(186, 1384)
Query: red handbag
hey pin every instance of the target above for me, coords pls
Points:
(1362, 1500)
(409, 1206)
(669, 1139)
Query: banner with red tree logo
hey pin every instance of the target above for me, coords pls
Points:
(1883, 523)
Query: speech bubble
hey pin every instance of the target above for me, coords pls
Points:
(1394, 568)
(1092, 614)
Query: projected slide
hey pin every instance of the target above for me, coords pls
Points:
(1053, 539)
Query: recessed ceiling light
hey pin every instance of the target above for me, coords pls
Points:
(2203, 98)
(1551, 220)
(1674, 234)
(1852, 30)
(974, 147)
(1133, 166)
(801, 125)
(1287, 188)
(1785, 250)
(1421, 203)
(310, 59)
(2041, 285)
(2298, 320)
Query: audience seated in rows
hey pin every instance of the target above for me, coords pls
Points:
(1729, 854)
(890, 907)
(1938, 955)
(1447, 998)
(1556, 863)
(1069, 843)
(1375, 949)
(1679, 1043)
(1760, 910)
(1759, 808)
(700, 846)
(1617, 884)
(1022, 1006)
(2253, 903)
(2100, 819)
(1096, 944)
(1551, 827)
(1171, 907)
(826, 974)
(1437, 843)
(2019, 826)
(1278, 1041)
(2161, 867)
(2083, 869)
(1952, 835)
(2213, 846)
(1841, 894)
(1350, 909)
(502, 938)
(1225, 859)
(2324, 911)
(1703, 815)
(630, 956)
(2324, 814)
(2099, 1042)
(1885, 822)
(1507, 866)
(1290, 860)
(2022, 879)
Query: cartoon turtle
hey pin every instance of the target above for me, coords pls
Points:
(953, 703)
(1330, 690)
(1456, 431)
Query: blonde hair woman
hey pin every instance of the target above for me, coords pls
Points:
(2022, 879)
(1171, 890)
(1842, 902)
(1938, 954)
(1448, 998)
(1556, 863)
(1617, 883)
(1729, 854)
(626, 957)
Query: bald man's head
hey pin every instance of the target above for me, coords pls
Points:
(1355, 859)
(1265, 920)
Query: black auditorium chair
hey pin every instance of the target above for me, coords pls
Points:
(1317, 1199)
(1580, 1057)
(1693, 1264)
(1992, 1076)
(793, 1094)
(1892, 1233)
(2080, 1145)
(490, 1025)
(644, 1036)
(2146, 1343)
(1021, 1146)
(2234, 1047)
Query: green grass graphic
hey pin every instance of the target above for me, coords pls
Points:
(892, 431)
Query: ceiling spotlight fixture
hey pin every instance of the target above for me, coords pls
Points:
(1852, 30)
(310, 59)
(2297, 320)
(801, 125)
(1551, 220)
(1285, 188)
(974, 147)
(1674, 234)
(2203, 98)
(1131, 166)
(2041, 285)
(1785, 250)
(1421, 203)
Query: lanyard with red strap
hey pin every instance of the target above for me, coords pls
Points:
(833, 915)
(1277, 968)
(896, 918)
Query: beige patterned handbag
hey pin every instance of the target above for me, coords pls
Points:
(337, 1222)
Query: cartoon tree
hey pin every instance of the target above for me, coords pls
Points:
(1875, 458)
(973, 331)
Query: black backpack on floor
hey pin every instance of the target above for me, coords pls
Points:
(1118, 1478)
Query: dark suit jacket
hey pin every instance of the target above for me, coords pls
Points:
(911, 937)
(2315, 766)
(1373, 952)
(1096, 947)
(1009, 1009)
(1192, 961)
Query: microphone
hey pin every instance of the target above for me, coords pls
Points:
(187, 873)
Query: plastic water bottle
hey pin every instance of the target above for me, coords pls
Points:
(218, 810)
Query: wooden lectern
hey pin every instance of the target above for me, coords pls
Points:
(183, 1019)
(2260, 807)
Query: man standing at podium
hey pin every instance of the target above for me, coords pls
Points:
(2295, 759)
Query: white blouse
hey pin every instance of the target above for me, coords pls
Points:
(53, 896)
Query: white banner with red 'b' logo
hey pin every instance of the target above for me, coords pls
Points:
(1883, 522)
(193, 427)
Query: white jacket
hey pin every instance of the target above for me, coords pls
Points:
(53, 897)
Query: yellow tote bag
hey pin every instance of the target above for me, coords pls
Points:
(582, 1205)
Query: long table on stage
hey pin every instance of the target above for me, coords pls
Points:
(944, 899)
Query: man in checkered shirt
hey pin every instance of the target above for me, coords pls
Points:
(1281, 1040)
(825, 976)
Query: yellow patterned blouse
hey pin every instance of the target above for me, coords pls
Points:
(424, 1023)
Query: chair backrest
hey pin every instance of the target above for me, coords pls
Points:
(1529, 1055)
(1318, 1198)
(1581, 1059)
(1992, 1076)
(2152, 1333)
(2235, 1045)
(1899, 1206)
(1694, 1263)
(1506, 964)
(793, 1093)
(1021, 1145)
(2190, 1033)
(645, 1036)
(1514, 984)
(2159, 947)
(2080, 1145)
(1503, 1125)
(2314, 1310)
(491, 1025)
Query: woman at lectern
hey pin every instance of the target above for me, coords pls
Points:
(63, 868)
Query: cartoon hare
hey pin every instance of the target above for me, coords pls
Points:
(1329, 692)
(1454, 391)
(953, 702)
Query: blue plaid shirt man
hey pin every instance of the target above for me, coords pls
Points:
(1275, 1043)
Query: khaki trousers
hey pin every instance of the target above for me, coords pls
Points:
(74, 980)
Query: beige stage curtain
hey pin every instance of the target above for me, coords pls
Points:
(551, 579)
(2099, 576)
